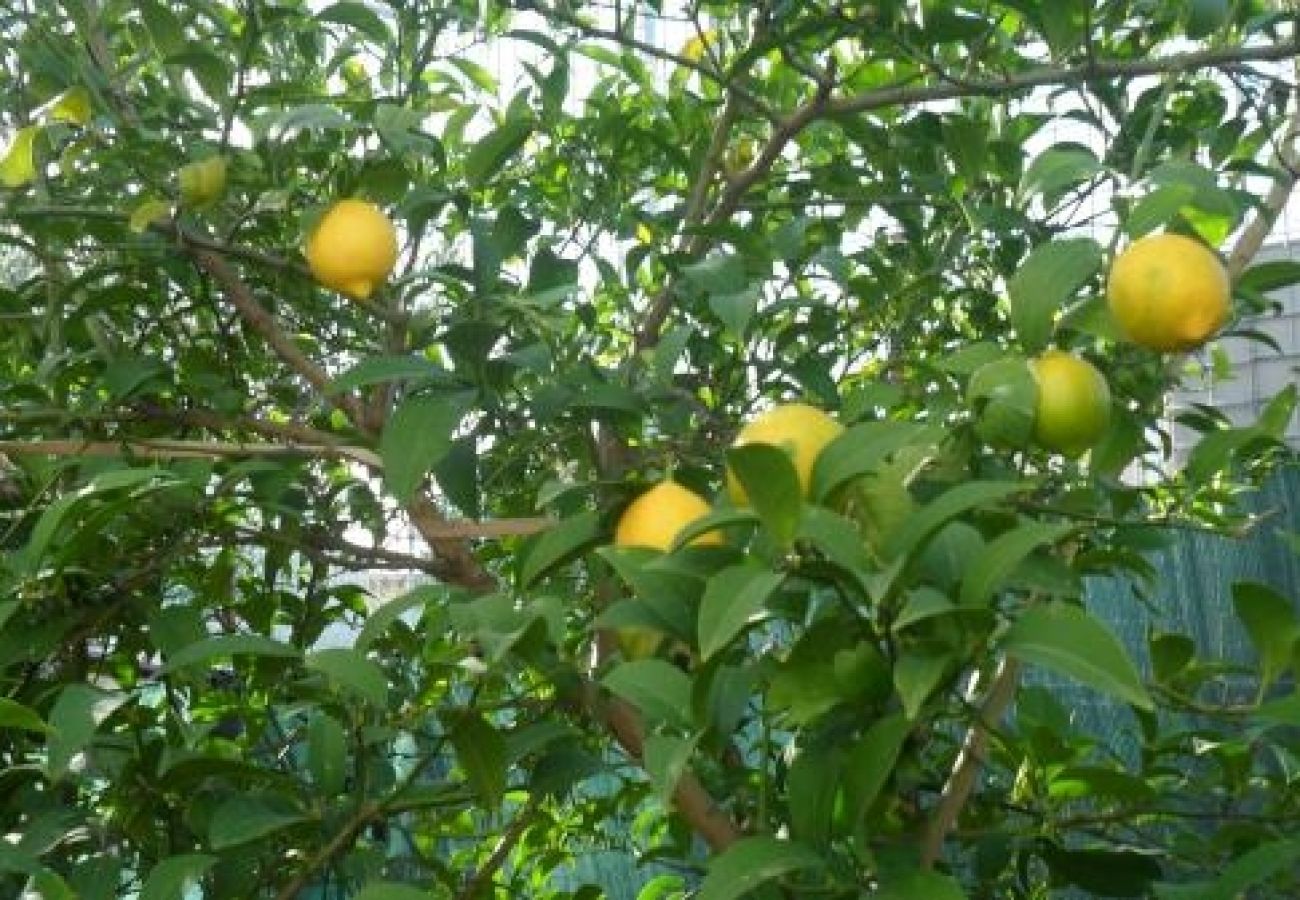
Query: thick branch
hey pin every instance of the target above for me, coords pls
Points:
(691, 798)
(1287, 161)
(260, 320)
(969, 761)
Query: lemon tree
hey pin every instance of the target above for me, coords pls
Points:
(358, 356)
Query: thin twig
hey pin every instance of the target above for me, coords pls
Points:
(159, 448)
(969, 761)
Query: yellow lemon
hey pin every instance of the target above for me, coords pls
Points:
(1073, 410)
(353, 248)
(1168, 292)
(655, 518)
(799, 429)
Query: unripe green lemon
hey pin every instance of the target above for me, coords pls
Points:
(1073, 403)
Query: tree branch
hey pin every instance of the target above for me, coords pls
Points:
(1287, 160)
(178, 449)
(969, 760)
(260, 320)
(691, 797)
(478, 883)
(337, 846)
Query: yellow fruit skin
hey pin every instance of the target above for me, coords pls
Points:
(638, 643)
(353, 248)
(1168, 293)
(800, 429)
(1073, 403)
(654, 519)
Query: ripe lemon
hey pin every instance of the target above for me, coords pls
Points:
(1168, 292)
(353, 248)
(1073, 410)
(655, 518)
(800, 429)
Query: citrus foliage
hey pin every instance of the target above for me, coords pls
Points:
(607, 262)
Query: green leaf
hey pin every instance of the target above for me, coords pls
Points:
(665, 760)
(1206, 16)
(1066, 639)
(918, 885)
(381, 369)
(751, 863)
(658, 688)
(327, 753)
(560, 543)
(1049, 277)
(1001, 557)
(417, 437)
(862, 449)
(1057, 168)
(359, 16)
(18, 165)
(723, 273)
(171, 878)
(870, 762)
(1157, 208)
(391, 890)
(1271, 624)
(383, 617)
(1102, 873)
(14, 715)
(1272, 275)
(1246, 871)
(353, 672)
(772, 486)
(240, 820)
(812, 785)
(1004, 397)
(481, 752)
(736, 309)
(918, 670)
(227, 645)
(495, 148)
(946, 507)
(733, 599)
(74, 719)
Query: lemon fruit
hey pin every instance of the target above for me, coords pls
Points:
(801, 430)
(353, 248)
(203, 182)
(1168, 292)
(1073, 411)
(638, 643)
(654, 519)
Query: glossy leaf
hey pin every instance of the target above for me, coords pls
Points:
(753, 862)
(1066, 639)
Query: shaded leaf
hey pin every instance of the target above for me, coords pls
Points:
(1049, 277)
(240, 820)
(733, 598)
(353, 672)
(417, 437)
(656, 687)
(172, 877)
